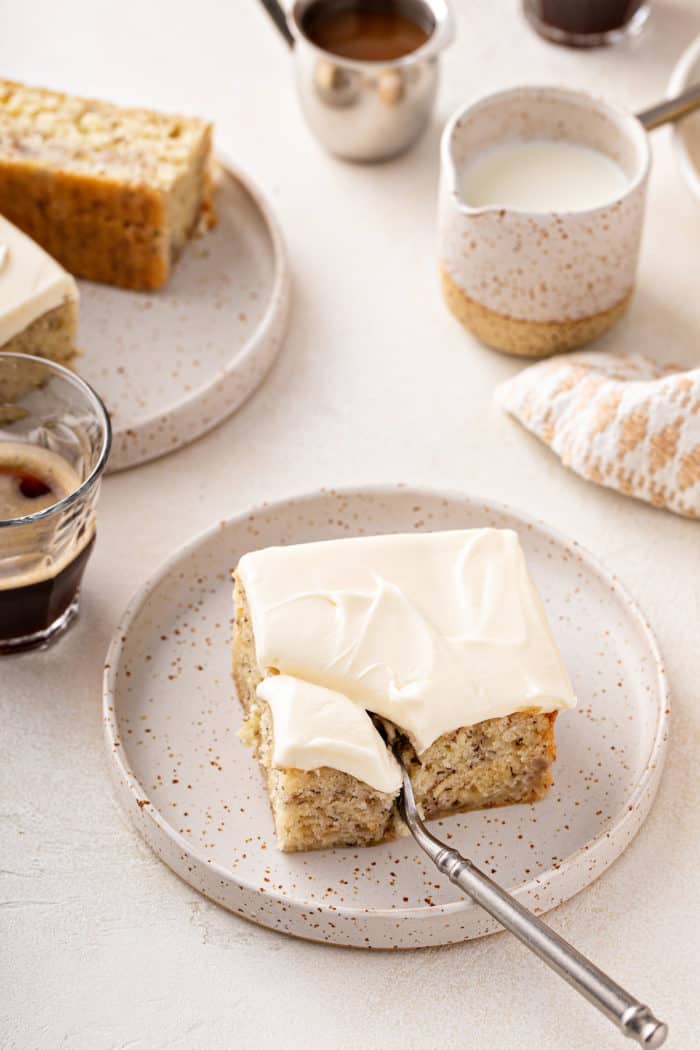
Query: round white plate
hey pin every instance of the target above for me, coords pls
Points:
(195, 794)
(172, 364)
(686, 133)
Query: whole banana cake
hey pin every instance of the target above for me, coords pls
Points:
(437, 642)
(113, 194)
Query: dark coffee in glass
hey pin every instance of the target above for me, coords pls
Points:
(30, 610)
(54, 441)
(586, 23)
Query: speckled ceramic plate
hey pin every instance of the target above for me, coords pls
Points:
(172, 364)
(686, 132)
(195, 794)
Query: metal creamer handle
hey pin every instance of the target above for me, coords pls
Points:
(670, 110)
(279, 18)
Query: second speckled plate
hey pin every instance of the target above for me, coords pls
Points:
(172, 364)
(194, 792)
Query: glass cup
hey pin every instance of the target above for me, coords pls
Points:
(586, 23)
(55, 437)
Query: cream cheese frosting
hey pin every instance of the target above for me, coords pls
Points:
(31, 282)
(433, 631)
(316, 727)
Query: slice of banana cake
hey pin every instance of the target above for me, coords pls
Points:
(440, 637)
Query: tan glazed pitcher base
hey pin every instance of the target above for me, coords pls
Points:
(527, 338)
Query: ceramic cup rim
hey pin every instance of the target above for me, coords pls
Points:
(626, 122)
(101, 413)
(442, 35)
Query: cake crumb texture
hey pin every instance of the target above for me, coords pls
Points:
(52, 335)
(113, 194)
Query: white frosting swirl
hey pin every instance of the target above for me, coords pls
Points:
(433, 631)
(316, 727)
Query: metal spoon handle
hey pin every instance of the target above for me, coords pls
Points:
(672, 109)
(632, 1017)
(276, 13)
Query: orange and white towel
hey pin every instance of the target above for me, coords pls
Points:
(619, 420)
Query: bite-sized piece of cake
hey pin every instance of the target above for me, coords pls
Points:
(442, 636)
(113, 194)
(329, 777)
(38, 300)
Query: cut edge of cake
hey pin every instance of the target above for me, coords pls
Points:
(112, 193)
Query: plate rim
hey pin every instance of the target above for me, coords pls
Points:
(653, 761)
(678, 81)
(276, 311)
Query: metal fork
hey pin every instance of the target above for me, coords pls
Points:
(632, 1017)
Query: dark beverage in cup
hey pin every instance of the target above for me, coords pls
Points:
(54, 441)
(30, 609)
(368, 30)
(586, 23)
(38, 590)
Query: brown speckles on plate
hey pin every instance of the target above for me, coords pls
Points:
(172, 364)
(199, 800)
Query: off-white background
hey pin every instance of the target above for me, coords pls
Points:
(102, 947)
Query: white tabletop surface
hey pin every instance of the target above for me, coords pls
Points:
(102, 947)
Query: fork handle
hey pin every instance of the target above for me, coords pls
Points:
(633, 1018)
